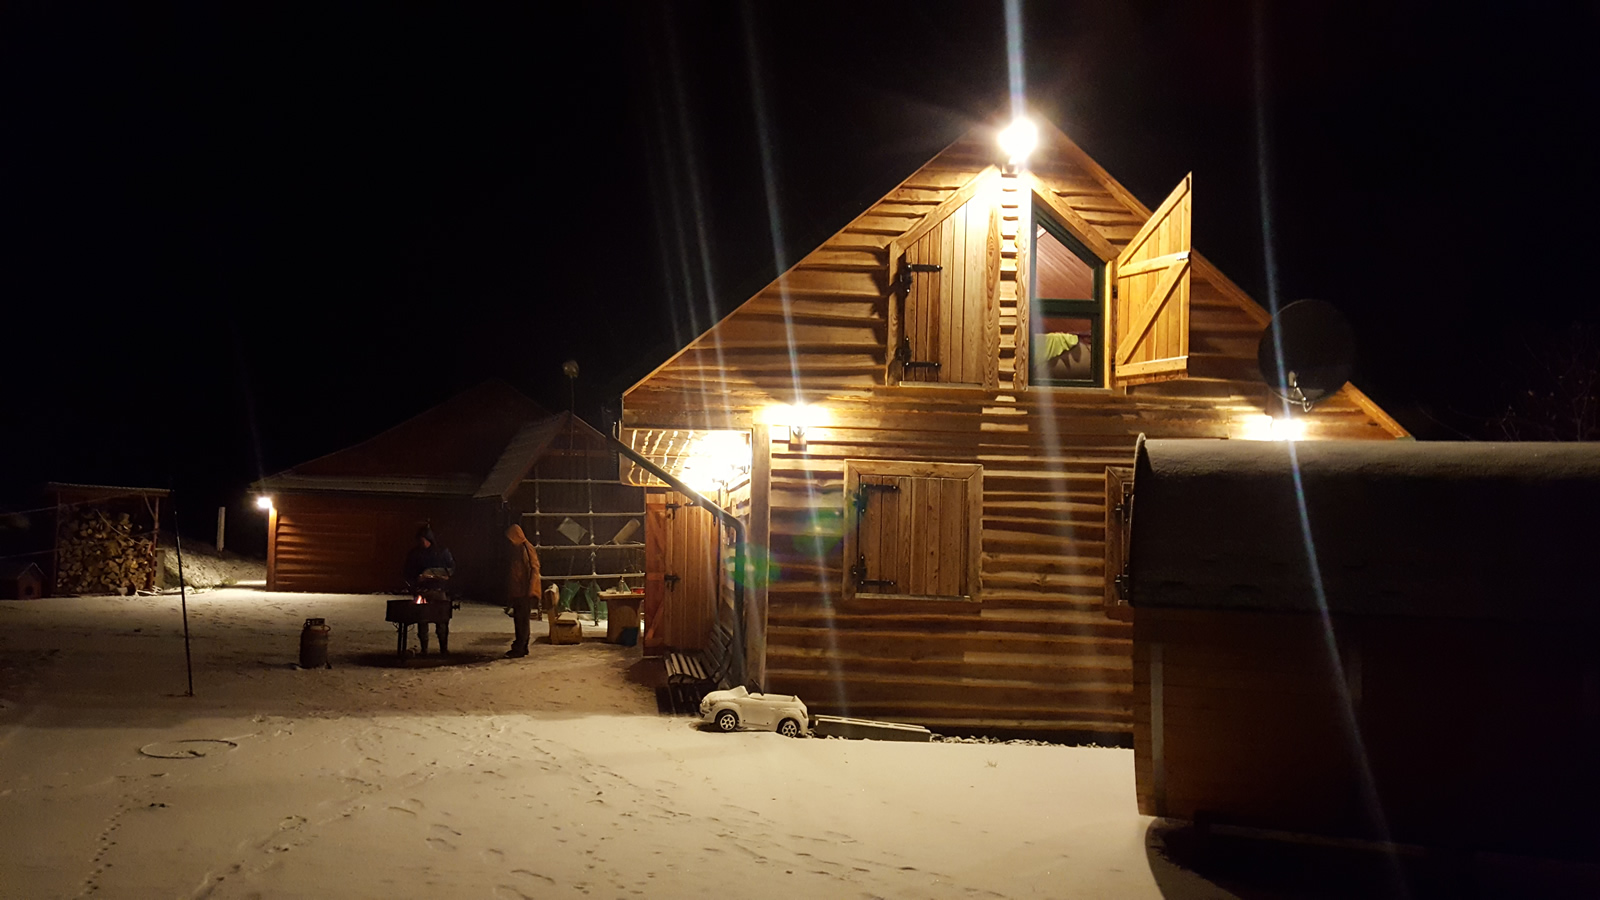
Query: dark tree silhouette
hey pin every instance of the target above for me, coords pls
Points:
(1557, 389)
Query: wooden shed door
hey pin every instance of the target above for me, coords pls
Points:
(950, 331)
(681, 550)
(1151, 311)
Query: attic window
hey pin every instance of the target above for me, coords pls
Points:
(1068, 318)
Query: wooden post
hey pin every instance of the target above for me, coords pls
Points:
(222, 526)
(272, 549)
(759, 558)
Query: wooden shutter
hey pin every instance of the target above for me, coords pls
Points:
(1150, 312)
(952, 315)
(1119, 493)
(913, 529)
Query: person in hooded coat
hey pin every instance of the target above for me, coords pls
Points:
(522, 588)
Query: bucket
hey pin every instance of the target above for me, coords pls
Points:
(314, 644)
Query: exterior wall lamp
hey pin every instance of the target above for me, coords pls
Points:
(1018, 140)
(264, 502)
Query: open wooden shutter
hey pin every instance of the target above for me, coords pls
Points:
(1150, 338)
(949, 284)
(1119, 495)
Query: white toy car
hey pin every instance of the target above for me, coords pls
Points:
(738, 708)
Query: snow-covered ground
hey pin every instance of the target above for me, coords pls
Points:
(550, 776)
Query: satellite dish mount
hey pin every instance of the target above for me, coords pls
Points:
(1306, 353)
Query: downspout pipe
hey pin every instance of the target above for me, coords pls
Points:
(736, 675)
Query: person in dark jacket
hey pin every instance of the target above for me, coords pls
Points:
(522, 588)
(428, 569)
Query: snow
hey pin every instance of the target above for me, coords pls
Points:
(550, 776)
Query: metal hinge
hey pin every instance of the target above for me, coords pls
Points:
(1124, 586)
(1113, 290)
(861, 494)
(859, 573)
(903, 279)
(1121, 509)
(902, 355)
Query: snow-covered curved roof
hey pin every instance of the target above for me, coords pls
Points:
(1495, 530)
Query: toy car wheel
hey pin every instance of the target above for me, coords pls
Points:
(727, 720)
(789, 728)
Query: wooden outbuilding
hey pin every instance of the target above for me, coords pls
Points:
(931, 398)
(469, 467)
(1389, 641)
(105, 538)
(21, 580)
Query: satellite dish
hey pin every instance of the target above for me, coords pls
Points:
(1317, 347)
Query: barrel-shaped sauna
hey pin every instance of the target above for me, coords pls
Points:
(1392, 641)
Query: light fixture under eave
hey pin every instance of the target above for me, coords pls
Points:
(1272, 428)
(717, 460)
(797, 417)
(264, 502)
(1018, 140)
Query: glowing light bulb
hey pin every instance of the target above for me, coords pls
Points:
(1018, 140)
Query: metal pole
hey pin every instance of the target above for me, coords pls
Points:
(222, 526)
(183, 595)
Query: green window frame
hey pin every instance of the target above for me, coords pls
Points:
(1092, 309)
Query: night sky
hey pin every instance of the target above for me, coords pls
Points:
(232, 239)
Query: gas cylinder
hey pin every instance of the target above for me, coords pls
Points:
(314, 644)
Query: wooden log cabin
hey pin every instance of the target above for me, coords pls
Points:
(1423, 672)
(932, 398)
(482, 460)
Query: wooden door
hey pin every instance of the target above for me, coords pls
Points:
(655, 570)
(681, 551)
(1150, 309)
(950, 332)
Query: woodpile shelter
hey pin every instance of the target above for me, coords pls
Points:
(105, 538)
(1384, 641)
(469, 467)
(928, 402)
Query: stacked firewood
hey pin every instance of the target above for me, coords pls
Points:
(97, 553)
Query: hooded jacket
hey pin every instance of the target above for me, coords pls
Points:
(523, 580)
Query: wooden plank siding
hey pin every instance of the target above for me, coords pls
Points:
(1033, 650)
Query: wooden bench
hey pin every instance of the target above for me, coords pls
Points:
(689, 679)
(691, 674)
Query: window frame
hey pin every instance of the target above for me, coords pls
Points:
(1093, 309)
(854, 469)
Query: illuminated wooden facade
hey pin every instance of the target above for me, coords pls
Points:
(896, 345)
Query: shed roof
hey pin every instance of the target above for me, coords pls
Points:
(527, 446)
(16, 568)
(448, 449)
(1478, 530)
(103, 491)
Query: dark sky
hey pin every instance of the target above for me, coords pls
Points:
(233, 238)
